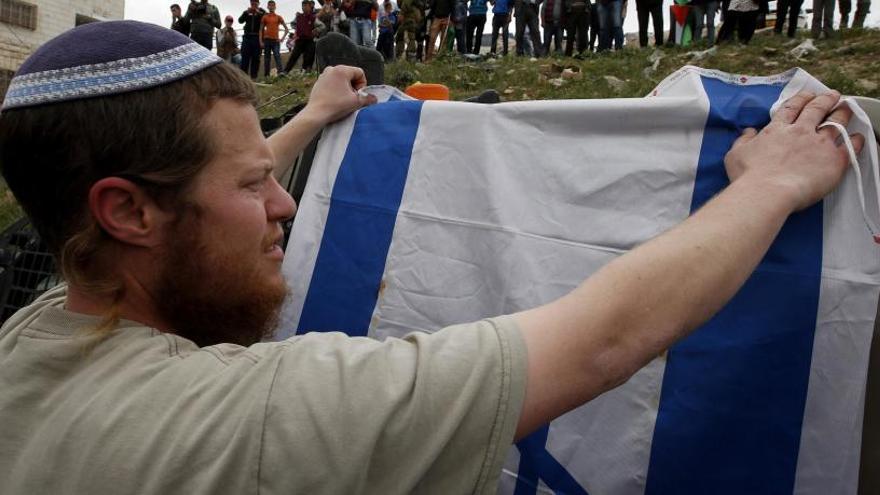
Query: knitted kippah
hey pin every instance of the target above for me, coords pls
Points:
(105, 58)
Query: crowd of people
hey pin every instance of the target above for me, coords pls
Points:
(419, 29)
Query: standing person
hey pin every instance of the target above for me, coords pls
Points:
(703, 12)
(742, 17)
(270, 38)
(227, 41)
(304, 29)
(845, 8)
(500, 22)
(331, 17)
(203, 18)
(476, 21)
(594, 25)
(578, 26)
(654, 9)
(789, 9)
(552, 20)
(459, 23)
(179, 23)
(526, 14)
(441, 10)
(145, 373)
(360, 23)
(610, 24)
(252, 18)
(862, 9)
(410, 19)
(823, 19)
(387, 28)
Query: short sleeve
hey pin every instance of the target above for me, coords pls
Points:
(429, 413)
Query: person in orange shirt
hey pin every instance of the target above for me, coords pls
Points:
(270, 41)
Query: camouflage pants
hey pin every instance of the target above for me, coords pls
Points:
(406, 42)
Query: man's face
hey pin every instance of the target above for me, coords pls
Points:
(271, 6)
(255, 5)
(220, 270)
(175, 11)
(307, 8)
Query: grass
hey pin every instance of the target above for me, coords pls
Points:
(848, 63)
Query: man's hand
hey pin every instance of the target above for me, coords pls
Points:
(805, 164)
(335, 94)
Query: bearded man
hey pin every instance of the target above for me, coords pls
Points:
(140, 161)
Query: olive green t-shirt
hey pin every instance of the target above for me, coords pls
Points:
(146, 412)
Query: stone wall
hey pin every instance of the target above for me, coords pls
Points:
(53, 18)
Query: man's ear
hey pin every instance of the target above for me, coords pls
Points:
(126, 212)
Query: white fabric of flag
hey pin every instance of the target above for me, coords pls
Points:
(419, 215)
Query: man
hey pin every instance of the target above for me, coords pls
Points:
(409, 19)
(823, 19)
(203, 19)
(862, 9)
(360, 22)
(178, 22)
(250, 40)
(476, 21)
(145, 373)
(270, 39)
(227, 40)
(441, 10)
(578, 26)
(526, 14)
(703, 13)
(304, 27)
(500, 23)
(553, 21)
(790, 9)
(654, 9)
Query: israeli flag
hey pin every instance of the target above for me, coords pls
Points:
(419, 215)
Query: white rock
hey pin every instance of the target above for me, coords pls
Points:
(556, 82)
(615, 83)
(697, 56)
(866, 84)
(655, 56)
(805, 48)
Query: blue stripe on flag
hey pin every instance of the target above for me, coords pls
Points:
(733, 394)
(537, 463)
(363, 209)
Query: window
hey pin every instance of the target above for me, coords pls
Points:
(84, 19)
(18, 13)
(5, 79)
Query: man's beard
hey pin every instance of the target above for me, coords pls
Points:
(212, 298)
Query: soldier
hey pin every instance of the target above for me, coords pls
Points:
(409, 19)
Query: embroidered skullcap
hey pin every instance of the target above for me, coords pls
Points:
(105, 58)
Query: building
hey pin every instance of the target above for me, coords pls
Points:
(26, 24)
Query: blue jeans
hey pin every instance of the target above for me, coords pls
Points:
(271, 48)
(610, 24)
(361, 32)
(705, 15)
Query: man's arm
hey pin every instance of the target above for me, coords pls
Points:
(286, 30)
(334, 96)
(634, 308)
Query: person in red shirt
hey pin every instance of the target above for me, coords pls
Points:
(304, 27)
(270, 41)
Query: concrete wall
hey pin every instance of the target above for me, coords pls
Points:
(53, 18)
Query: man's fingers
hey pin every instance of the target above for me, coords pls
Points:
(817, 109)
(791, 108)
(747, 135)
(858, 142)
(841, 116)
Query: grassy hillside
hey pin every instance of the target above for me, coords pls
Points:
(850, 64)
